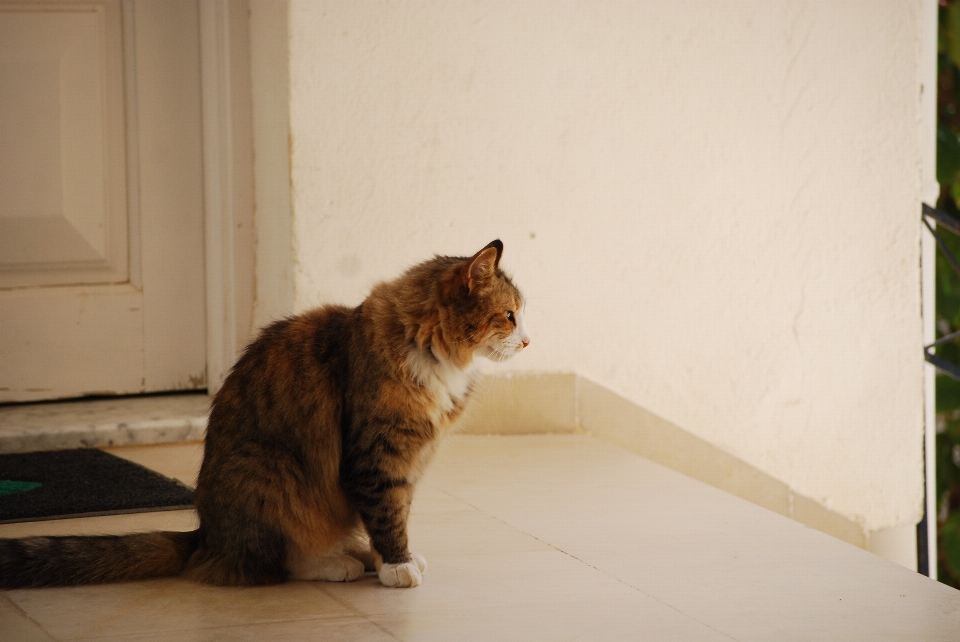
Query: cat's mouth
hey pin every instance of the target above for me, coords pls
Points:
(501, 353)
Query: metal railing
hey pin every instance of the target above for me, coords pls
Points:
(947, 222)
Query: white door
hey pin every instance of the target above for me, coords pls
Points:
(101, 198)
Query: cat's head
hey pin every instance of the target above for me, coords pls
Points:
(481, 309)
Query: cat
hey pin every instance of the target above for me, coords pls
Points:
(316, 440)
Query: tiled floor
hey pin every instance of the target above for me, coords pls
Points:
(549, 537)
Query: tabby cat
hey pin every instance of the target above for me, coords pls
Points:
(316, 440)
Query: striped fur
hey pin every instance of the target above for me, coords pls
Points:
(71, 560)
(317, 439)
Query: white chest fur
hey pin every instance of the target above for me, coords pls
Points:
(446, 384)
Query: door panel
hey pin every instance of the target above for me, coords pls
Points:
(63, 217)
(72, 342)
(171, 193)
(101, 203)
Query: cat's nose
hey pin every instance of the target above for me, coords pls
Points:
(526, 341)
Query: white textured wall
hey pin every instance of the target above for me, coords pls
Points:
(712, 206)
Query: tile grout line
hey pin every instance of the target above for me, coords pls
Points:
(585, 563)
(25, 615)
(126, 636)
(170, 583)
(366, 617)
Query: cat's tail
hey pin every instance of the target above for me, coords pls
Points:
(73, 560)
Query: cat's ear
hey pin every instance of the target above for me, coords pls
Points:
(498, 246)
(483, 264)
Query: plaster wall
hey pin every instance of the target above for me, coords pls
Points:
(711, 206)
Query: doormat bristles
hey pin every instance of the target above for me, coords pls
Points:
(82, 483)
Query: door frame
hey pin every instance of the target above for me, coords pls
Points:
(248, 217)
(228, 182)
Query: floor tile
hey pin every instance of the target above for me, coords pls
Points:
(16, 626)
(547, 537)
(636, 618)
(470, 532)
(169, 605)
(485, 580)
(177, 461)
(430, 499)
(349, 629)
(723, 561)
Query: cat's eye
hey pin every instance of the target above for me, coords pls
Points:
(510, 316)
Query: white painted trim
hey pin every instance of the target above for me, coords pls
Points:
(132, 133)
(273, 221)
(897, 544)
(533, 403)
(216, 194)
(930, 192)
(227, 166)
(507, 404)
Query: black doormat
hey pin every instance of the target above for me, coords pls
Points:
(82, 483)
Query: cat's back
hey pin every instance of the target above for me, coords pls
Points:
(273, 442)
(295, 368)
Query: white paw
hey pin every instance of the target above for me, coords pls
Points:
(343, 568)
(407, 574)
(334, 568)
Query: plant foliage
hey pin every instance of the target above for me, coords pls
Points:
(948, 295)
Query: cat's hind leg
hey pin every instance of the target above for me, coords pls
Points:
(340, 563)
(357, 545)
(327, 568)
(244, 558)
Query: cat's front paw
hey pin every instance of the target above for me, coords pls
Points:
(404, 575)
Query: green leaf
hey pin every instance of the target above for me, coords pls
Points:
(948, 394)
(954, 191)
(951, 543)
(952, 27)
(948, 156)
(947, 473)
